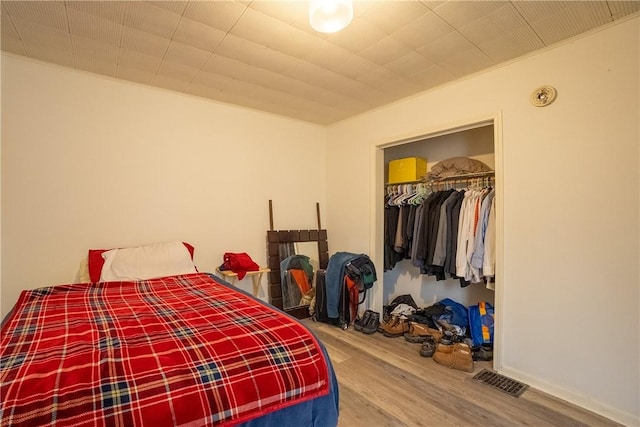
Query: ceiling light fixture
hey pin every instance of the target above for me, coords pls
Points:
(329, 16)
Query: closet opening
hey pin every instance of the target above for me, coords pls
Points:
(479, 141)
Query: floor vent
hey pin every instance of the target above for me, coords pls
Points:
(507, 385)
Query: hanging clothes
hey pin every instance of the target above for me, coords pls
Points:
(447, 233)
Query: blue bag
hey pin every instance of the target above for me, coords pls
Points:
(481, 323)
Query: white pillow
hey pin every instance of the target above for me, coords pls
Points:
(146, 262)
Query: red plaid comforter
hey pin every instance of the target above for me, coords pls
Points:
(181, 350)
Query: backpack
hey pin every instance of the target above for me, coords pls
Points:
(362, 271)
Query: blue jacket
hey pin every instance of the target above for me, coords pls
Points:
(334, 276)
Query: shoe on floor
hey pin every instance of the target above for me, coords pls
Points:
(418, 332)
(371, 326)
(428, 347)
(456, 356)
(398, 329)
(361, 321)
(388, 324)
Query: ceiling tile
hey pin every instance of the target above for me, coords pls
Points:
(8, 30)
(198, 35)
(575, 18)
(391, 16)
(512, 45)
(203, 91)
(96, 65)
(36, 35)
(294, 13)
(47, 13)
(174, 6)
(13, 45)
(83, 47)
(137, 60)
(385, 51)
(151, 19)
(140, 41)
(177, 71)
(327, 56)
(466, 62)
(94, 27)
(180, 53)
(431, 77)
(135, 74)
(461, 13)
(211, 79)
(423, 31)
(409, 64)
(111, 10)
(445, 46)
(256, 54)
(357, 36)
(217, 14)
(172, 83)
(354, 66)
(51, 54)
(623, 8)
(503, 20)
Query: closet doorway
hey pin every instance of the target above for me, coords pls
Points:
(478, 140)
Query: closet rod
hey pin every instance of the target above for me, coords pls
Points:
(465, 176)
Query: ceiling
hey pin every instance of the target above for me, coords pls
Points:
(264, 54)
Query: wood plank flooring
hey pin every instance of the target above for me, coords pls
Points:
(385, 382)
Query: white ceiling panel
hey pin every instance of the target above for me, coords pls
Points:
(151, 19)
(47, 13)
(86, 25)
(110, 10)
(167, 81)
(264, 54)
(427, 28)
(222, 15)
(461, 13)
(391, 16)
(139, 61)
(135, 75)
(197, 34)
(35, 35)
(181, 53)
(177, 71)
(143, 42)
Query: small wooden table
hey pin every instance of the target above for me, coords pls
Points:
(255, 275)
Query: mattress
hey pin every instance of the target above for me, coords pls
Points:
(181, 350)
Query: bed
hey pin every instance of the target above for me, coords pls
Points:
(185, 350)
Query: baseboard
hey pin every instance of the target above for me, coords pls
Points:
(599, 408)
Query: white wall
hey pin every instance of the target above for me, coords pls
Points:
(90, 162)
(570, 211)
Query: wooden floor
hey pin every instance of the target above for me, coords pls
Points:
(385, 382)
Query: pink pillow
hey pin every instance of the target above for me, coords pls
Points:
(96, 261)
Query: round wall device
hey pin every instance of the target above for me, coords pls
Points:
(543, 96)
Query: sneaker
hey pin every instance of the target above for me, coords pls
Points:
(428, 346)
(361, 321)
(372, 323)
